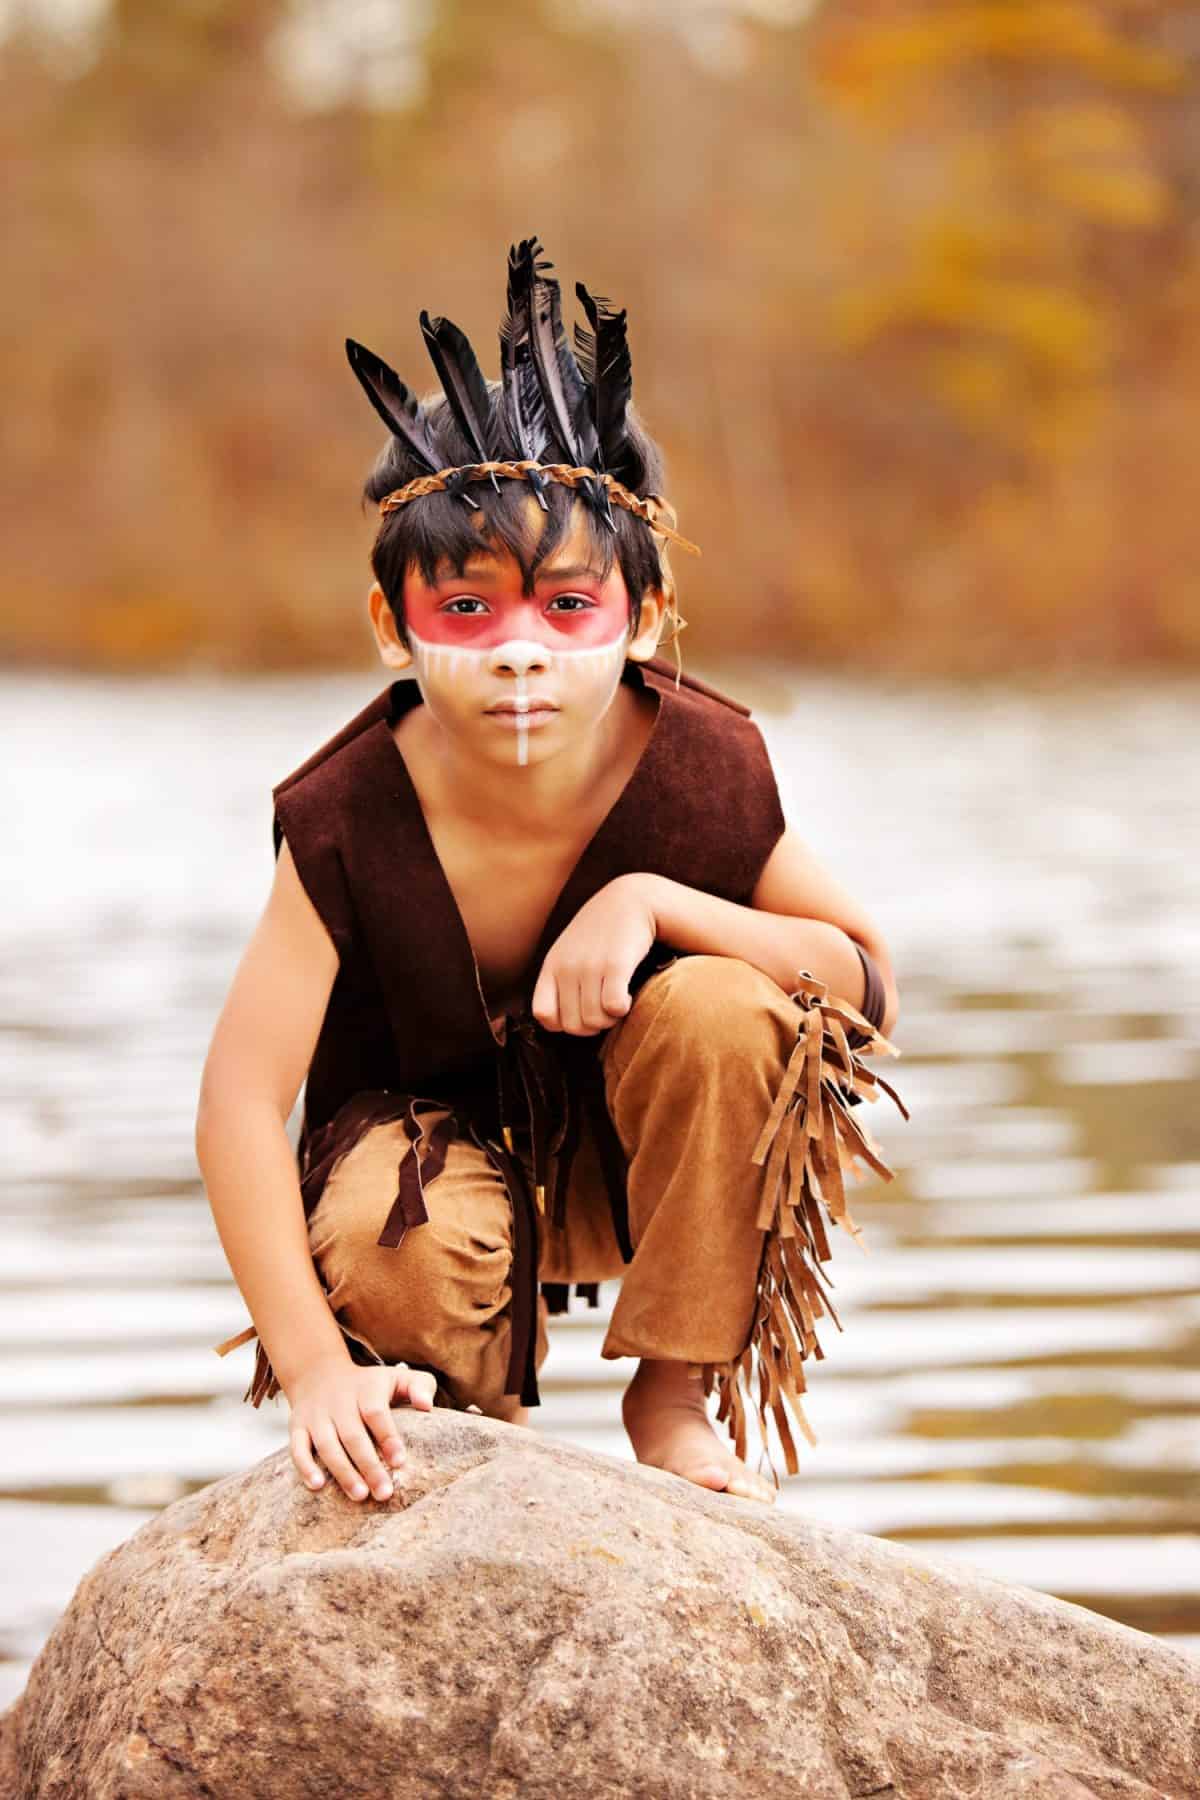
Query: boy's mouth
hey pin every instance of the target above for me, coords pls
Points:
(523, 717)
(534, 703)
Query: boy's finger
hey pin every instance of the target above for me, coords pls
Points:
(543, 1002)
(378, 1421)
(614, 993)
(303, 1458)
(360, 1447)
(568, 1005)
(337, 1462)
(417, 1386)
(596, 1013)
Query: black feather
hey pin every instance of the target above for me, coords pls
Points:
(563, 387)
(463, 385)
(604, 362)
(523, 406)
(395, 403)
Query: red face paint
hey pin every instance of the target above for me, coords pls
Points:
(569, 610)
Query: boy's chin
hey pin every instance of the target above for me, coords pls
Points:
(507, 747)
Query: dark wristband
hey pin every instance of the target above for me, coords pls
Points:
(874, 1000)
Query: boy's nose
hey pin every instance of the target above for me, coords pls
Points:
(519, 656)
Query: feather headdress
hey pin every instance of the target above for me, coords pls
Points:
(553, 405)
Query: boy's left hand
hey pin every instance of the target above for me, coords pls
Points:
(583, 986)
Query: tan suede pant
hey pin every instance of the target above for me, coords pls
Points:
(689, 1073)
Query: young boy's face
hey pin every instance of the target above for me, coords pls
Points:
(515, 676)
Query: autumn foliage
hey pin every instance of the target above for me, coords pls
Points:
(914, 301)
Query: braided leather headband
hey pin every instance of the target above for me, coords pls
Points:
(650, 509)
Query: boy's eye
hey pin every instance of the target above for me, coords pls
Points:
(469, 601)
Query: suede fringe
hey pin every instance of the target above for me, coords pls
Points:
(809, 1142)
(264, 1383)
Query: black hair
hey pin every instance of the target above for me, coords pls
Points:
(438, 528)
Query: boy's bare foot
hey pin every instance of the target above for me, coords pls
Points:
(668, 1425)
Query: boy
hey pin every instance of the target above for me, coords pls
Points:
(536, 944)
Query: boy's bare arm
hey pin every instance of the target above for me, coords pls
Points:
(258, 1058)
(260, 1053)
(799, 917)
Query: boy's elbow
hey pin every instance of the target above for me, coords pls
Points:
(213, 1105)
(206, 1112)
(230, 1092)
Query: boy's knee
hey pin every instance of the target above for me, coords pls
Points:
(461, 1255)
(722, 999)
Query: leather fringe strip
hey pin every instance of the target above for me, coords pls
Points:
(809, 1143)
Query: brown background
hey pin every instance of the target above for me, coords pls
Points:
(913, 296)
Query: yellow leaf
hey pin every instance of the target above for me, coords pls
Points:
(1119, 196)
(872, 65)
(1087, 128)
(975, 386)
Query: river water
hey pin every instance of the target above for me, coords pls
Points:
(1017, 1381)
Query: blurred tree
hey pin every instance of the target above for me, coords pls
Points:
(911, 284)
(995, 253)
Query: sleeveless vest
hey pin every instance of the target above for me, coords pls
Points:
(406, 1029)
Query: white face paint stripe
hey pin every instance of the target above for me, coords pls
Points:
(448, 660)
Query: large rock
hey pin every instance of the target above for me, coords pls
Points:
(525, 1619)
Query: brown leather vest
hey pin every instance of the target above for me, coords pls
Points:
(407, 1021)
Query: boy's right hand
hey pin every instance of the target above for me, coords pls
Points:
(336, 1405)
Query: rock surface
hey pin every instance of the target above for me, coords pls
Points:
(529, 1620)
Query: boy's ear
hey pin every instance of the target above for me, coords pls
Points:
(392, 649)
(657, 602)
(650, 621)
